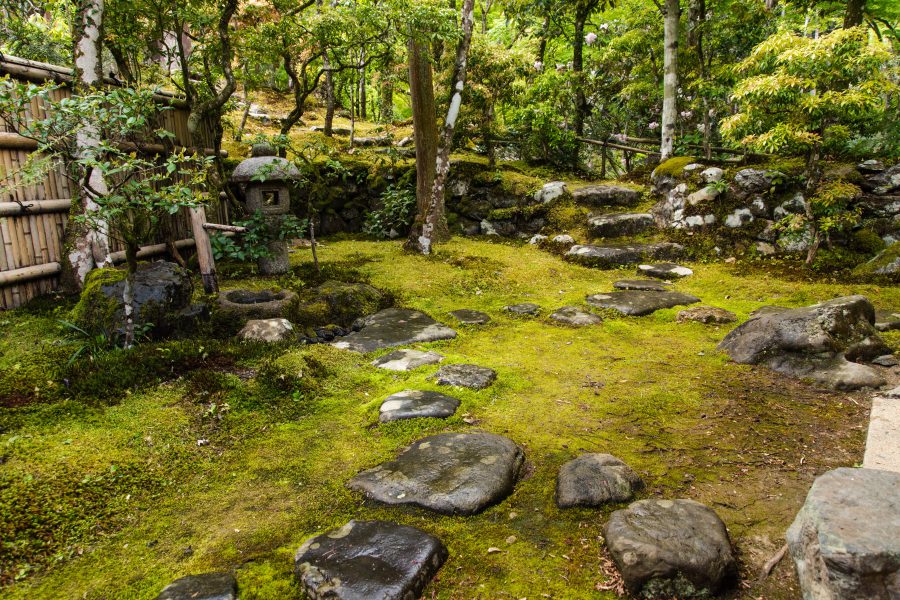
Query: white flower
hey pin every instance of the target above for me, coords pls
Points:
(712, 112)
(701, 127)
(538, 65)
(590, 38)
(604, 27)
(687, 114)
(653, 125)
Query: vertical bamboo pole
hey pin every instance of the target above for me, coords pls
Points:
(204, 251)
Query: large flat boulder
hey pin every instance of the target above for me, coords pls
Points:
(573, 315)
(369, 559)
(671, 548)
(811, 341)
(637, 303)
(617, 225)
(606, 195)
(395, 327)
(407, 359)
(414, 404)
(845, 541)
(449, 473)
(610, 257)
(467, 376)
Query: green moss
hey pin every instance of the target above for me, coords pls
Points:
(95, 312)
(673, 167)
(880, 267)
(566, 216)
(524, 213)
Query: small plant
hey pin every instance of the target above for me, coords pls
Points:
(393, 218)
(253, 243)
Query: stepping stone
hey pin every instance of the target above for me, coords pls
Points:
(467, 376)
(645, 285)
(637, 303)
(886, 320)
(267, 330)
(395, 327)
(208, 586)
(369, 559)
(664, 271)
(595, 479)
(610, 257)
(835, 372)
(886, 360)
(572, 315)
(413, 404)
(606, 195)
(708, 315)
(845, 541)
(882, 449)
(407, 360)
(617, 225)
(449, 473)
(671, 548)
(525, 308)
(470, 317)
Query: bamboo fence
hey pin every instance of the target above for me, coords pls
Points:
(33, 217)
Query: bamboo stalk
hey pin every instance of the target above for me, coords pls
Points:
(219, 227)
(38, 207)
(204, 250)
(14, 141)
(31, 273)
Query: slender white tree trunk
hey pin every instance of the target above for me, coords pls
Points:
(434, 227)
(670, 78)
(90, 246)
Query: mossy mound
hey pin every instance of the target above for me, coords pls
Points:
(673, 167)
(885, 266)
(303, 369)
(337, 303)
(96, 311)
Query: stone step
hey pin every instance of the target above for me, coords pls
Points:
(882, 449)
(610, 257)
(606, 195)
(620, 224)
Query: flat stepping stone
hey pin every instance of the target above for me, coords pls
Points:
(594, 480)
(637, 303)
(573, 315)
(644, 285)
(407, 360)
(664, 271)
(845, 541)
(617, 225)
(395, 327)
(671, 548)
(610, 257)
(449, 473)
(267, 330)
(886, 360)
(886, 320)
(467, 376)
(413, 404)
(525, 308)
(606, 195)
(470, 317)
(882, 449)
(709, 315)
(369, 559)
(208, 586)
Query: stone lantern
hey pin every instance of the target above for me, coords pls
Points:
(265, 180)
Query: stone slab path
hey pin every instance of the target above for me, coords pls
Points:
(395, 327)
(883, 441)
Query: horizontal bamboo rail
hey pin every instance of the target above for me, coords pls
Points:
(24, 274)
(14, 141)
(617, 146)
(37, 207)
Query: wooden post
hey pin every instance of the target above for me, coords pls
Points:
(204, 251)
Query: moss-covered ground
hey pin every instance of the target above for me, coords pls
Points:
(183, 457)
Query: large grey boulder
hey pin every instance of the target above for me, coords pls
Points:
(610, 257)
(449, 473)
(369, 559)
(407, 360)
(810, 341)
(757, 181)
(620, 224)
(594, 480)
(845, 541)
(207, 586)
(394, 327)
(606, 195)
(637, 303)
(666, 548)
(415, 404)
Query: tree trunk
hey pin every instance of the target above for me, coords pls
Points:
(545, 33)
(854, 15)
(239, 134)
(131, 250)
(434, 228)
(211, 108)
(329, 96)
(813, 176)
(361, 96)
(670, 79)
(421, 91)
(89, 243)
(387, 99)
(581, 15)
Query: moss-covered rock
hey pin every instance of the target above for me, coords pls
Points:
(674, 167)
(302, 369)
(337, 303)
(884, 266)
